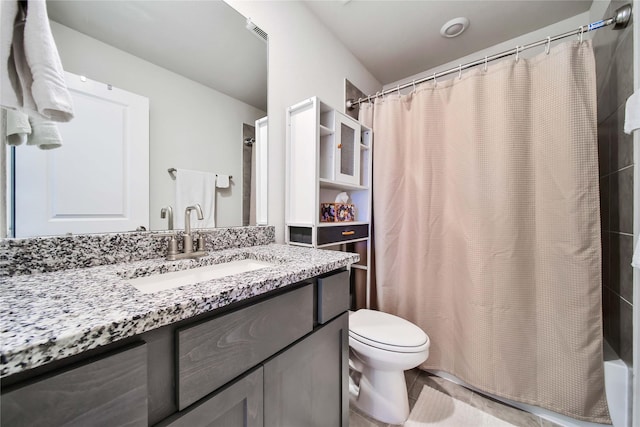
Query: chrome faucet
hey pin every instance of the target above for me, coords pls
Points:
(167, 211)
(187, 242)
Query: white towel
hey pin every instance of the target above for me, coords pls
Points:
(635, 260)
(632, 113)
(35, 71)
(222, 181)
(9, 83)
(195, 187)
(18, 127)
(45, 134)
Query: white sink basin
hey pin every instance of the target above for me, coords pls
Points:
(161, 282)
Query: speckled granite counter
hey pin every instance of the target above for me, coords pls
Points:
(49, 316)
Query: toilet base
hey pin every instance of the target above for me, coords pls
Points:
(382, 395)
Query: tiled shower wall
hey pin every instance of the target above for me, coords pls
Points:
(614, 70)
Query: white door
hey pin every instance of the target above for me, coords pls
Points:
(98, 181)
(262, 171)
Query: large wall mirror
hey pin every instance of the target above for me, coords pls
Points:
(202, 69)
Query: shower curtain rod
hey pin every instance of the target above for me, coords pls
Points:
(619, 21)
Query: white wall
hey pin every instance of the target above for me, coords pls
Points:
(191, 125)
(551, 30)
(305, 60)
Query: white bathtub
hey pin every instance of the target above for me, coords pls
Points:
(618, 388)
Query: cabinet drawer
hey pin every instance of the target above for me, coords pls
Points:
(110, 391)
(333, 296)
(238, 404)
(342, 233)
(212, 353)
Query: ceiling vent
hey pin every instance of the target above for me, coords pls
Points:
(257, 31)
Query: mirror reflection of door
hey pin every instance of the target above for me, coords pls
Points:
(248, 175)
(107, 144)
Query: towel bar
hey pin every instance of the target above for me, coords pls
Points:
(172, 172)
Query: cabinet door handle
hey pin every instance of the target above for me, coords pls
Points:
(348, 233)
(339, 146)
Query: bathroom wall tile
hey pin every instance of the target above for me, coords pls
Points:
(621, 144)
(504, 412)
(606, 266)
(626, 332)
(352, 92)
(604, 156)
(625, 251)
(611, 319)
(605, 204)
(621, 201)
(614, 262)
(622, 70)
(604, 46)
(606, 98)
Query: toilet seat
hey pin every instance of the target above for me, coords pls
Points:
(386, 332)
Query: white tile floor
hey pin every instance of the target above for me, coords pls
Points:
(416, 379)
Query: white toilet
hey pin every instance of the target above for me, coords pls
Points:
(382, 346)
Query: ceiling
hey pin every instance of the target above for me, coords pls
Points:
(397, 39)
(205, 41)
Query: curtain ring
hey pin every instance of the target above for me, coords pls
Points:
(517, 53)
(486, 66)
(548, 47)
(414, 86)
(398, 90)
(581, 33)
(369, 98)
(435, 81)
(460, 71)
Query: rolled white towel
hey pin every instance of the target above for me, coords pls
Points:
(48, 89)
(635, 259)
(222, 181)
(18, 127)
(45, 134)
(33, 79)
(632, 113)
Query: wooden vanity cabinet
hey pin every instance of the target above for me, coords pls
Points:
(278, 361)
(214, 352)
(107, 391)
(239, 403)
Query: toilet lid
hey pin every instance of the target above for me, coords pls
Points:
(385, 329)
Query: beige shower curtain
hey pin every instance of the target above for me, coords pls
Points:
(487, 226)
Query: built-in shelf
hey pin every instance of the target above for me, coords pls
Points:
(343, 223)
(324, 131)
(329, 183)
(329, 153)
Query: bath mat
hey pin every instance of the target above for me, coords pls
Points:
(436, 409)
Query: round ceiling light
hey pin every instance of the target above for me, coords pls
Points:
(454, 27)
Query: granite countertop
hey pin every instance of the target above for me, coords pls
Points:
(50, 316)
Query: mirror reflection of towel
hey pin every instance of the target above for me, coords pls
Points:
(18, 127)
(45, 134)
(34, 78)
(195, 187)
